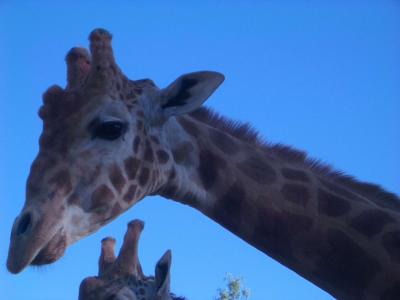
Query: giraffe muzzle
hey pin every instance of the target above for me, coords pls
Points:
(34, 242)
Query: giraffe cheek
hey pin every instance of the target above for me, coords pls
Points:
(117, 178)
(61, 181)
(100, 201)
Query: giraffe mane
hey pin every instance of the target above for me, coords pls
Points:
(246, 132)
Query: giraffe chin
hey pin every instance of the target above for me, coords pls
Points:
(54, 249)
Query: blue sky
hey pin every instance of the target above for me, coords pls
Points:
(320, 75)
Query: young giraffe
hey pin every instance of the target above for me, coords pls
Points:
(108, 142)
(121, 278)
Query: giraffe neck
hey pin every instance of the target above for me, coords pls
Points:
(325, 231)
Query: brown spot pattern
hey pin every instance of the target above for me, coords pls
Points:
(209, 164)
(116, 177)
(331, 205)
(172, 174)
(144, 176)
(162, 156)
(258, 170)
(371, 222)
(95, 173)
(116, 210)
(295, 193)
(155, 140)
(188, 126)
(293, 174)
(131, 167)
(100, 199)
(391, 242)
(140, 113)
(169, 191)
(130, 194)
(136, 143)
(229, 208)
(181, 154)
(73, 199)
(346, 264)
(62, 181)
(223, 141)
(275, 230)
(139, 124)
(148, 152)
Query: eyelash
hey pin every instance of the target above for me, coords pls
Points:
(110, 130)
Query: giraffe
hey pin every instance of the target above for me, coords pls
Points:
(122, 278)
(108, 142)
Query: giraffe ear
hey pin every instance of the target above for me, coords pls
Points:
(162, 273)
(189, 92)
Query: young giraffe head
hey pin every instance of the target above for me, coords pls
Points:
(100, 150)
(121, 278)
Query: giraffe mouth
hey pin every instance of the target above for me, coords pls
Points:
(24, 253)
(52, 251)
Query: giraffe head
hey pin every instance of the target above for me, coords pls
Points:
(122, 277)
(100, 150)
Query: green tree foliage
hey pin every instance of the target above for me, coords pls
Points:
(234, 290)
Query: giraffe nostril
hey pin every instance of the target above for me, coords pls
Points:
(24, 224)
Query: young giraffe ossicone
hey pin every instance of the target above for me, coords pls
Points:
(122, 278)
(107, 142)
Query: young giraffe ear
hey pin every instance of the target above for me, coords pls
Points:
(162, 273)
(189, 92)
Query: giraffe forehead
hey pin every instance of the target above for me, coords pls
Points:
(61, 106)
(63, 129)
(63, 122)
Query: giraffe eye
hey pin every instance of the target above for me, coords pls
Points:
(110, 130)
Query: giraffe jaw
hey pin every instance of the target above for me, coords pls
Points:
(54, 249)
(20, 256)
